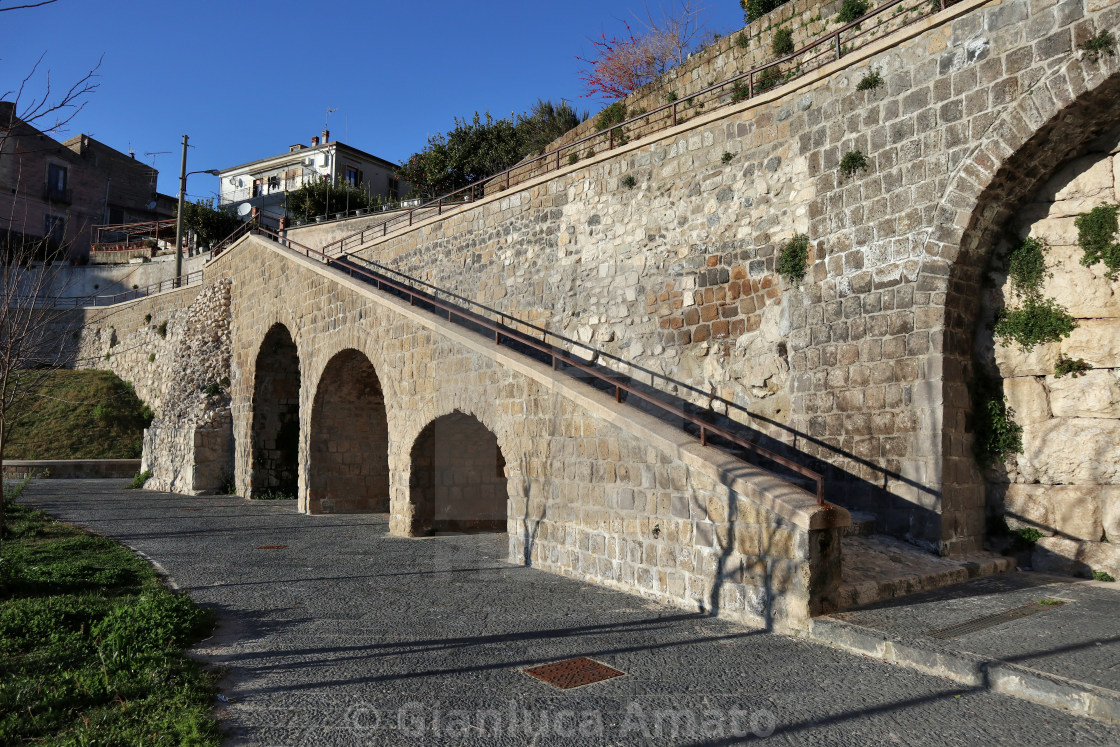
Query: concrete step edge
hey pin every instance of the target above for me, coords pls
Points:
(999, 676)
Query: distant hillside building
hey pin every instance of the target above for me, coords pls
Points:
(264, 183)
(59, 191)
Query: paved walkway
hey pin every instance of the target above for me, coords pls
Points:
(349, 636)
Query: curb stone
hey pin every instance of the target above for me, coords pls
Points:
(999, 676)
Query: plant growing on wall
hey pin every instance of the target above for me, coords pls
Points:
(782, 43)
(755, 9)
(1103, 43)
(794, 258)
(997, 435)
(851, 10)
(852, 162)
(872, 79)
(1096, 235)
(1037, 319)
(1075, 367)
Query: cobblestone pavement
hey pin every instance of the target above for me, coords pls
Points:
(349, 636)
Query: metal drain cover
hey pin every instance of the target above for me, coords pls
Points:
(989, 621)
(573, 672)
(273, 547)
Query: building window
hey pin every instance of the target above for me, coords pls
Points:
(258, 187)
(57, 182)
(394, 188)
(354, 176)
(273, 183)
(54, 229)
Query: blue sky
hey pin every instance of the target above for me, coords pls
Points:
(247, 78)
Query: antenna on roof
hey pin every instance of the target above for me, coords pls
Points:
(156, 153)
(325, 123)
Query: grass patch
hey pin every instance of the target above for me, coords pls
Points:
(274, 494)
(91, 645)
(851, 10)
(1050, 602)
(782, 43)
(79, 415)
(1102, 576)
(140, 479)
(629, 182)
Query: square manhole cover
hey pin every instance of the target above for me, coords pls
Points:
(573, 672)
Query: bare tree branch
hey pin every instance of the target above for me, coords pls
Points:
(28, 5)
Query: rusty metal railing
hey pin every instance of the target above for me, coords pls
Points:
(759, 79)
(501, 332)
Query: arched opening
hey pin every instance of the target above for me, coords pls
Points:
(458, 478)
(275, 445)
(1069, 132)
(348, 470)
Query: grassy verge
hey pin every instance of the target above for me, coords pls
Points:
(91, 644)
(79, 415)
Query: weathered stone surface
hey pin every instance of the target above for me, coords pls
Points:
(1027, 399)
(1110, 513)
(1085, 292)
(1013, 361)
(1094, 394)
(1095, 341)
(1076, 558)
(1071, 511)
(1071, 451)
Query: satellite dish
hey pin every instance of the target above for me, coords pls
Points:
(244, 209)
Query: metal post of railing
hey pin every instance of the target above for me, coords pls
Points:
(439, 207)
(610, 138)
(838, 52)
(674, 113)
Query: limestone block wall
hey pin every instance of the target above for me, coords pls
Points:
(864, 365)
(594, 489)
(1066, 483)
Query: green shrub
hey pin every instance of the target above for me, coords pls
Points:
(1073, 367)
(1029, 535)
(161, 330)
(726, 158)
(1096, 235)
(871, 79)
(151, 357)
(739, 92)
(629, 181)
(212, 388)
(1103, 576)
(793, 259)
(755, 9)
(573, 158)
(147, 319)
(139, 480)
(612, 115)
(1038, 320)
(851, 10)
(1026, 267)
(742, 41)
(671, 97)
(997, 435)
(852, 162)
(768, 78)
(1102, 42)
(782, 43)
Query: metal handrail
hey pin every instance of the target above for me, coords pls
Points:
(130, 295)
(236, 234)
(827, 45)
(706, 429)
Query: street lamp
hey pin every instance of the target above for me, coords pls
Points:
(179, 218)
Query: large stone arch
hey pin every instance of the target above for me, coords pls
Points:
(458, 479)
(348, 440)
(1074, 105)
(274, 450)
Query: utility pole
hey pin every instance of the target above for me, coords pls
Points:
(179, 218)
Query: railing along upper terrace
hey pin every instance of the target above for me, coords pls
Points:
(888, 17)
